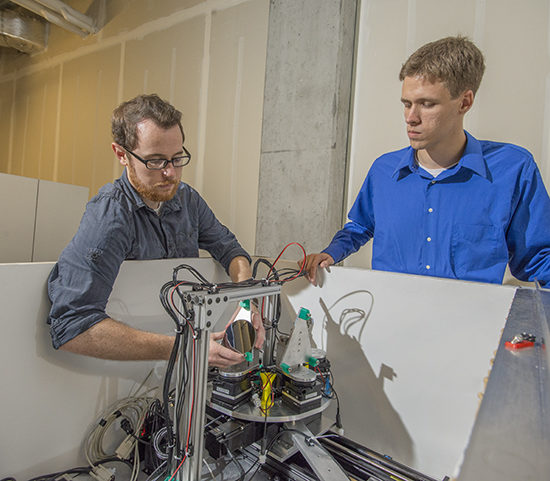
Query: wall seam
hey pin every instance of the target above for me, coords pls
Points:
(57, 126)
(203, 103)
(12, 127)
(235, 149)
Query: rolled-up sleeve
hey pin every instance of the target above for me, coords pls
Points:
(81, 282)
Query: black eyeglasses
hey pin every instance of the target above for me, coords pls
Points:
(159, 164)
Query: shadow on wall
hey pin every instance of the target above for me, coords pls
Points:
(367, 414)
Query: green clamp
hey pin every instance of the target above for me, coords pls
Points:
(304, 314)
(313, 361)
(285, 367)
(245, 304)
(248, 356)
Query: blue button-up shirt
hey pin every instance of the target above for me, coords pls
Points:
(467, 223)
(116, 226)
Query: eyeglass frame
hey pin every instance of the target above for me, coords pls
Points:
(166, 161)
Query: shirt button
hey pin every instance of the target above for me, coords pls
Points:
(428, 267)
(432, 182)
(429, 239)
(430, 210)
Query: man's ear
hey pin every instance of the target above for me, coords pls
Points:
(466, 101)
(120, 154)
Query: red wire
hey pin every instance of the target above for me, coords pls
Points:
(290, 278)
(178, 468)
(319, 371)
(279, 256)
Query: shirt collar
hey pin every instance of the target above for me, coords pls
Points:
(472, 159)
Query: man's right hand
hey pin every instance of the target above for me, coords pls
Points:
(313, 261)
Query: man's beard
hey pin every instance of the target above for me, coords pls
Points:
(150, 193)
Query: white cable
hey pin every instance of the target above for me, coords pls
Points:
(134, 410)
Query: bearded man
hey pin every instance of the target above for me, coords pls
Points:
(148, 213)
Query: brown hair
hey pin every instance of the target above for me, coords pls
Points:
(143, 107)
(455, 61)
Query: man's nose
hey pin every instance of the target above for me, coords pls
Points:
(169, 170)
(411, 115)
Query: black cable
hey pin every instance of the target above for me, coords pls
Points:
(154, 422)
(268, 264)
(181, 330)
(338, 417)
(191, 270)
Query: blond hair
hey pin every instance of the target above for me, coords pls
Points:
(455, 61)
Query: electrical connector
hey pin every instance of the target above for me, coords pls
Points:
(101, 473)
(126, 447)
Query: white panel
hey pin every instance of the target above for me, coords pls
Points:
(50, 398)
(58, 213)
(409, 356)
(18, 201)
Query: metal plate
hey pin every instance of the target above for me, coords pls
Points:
(511, 437)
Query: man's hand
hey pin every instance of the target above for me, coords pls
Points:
(313, 261)
(220, 356)
(259, 326)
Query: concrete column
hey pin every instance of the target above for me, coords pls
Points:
(305, 123)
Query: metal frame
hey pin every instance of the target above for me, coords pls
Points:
(208, 307)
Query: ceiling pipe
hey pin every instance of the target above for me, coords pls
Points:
(60, 14)
(21, 31)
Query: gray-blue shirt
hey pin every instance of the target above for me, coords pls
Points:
(117, 226)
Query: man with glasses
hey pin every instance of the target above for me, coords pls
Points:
(148, 213)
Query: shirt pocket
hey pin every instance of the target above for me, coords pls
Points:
(474, 248)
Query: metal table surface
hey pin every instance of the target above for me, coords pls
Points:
(511, 436)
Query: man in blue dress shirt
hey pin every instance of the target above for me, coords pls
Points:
(148, 213)
(449, 205)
